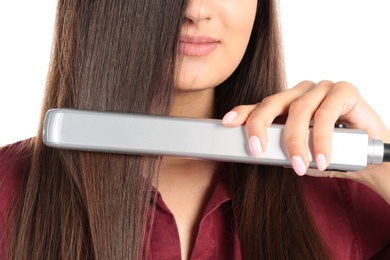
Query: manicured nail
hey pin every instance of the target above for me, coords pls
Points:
(321, 162)
(298, 165)
(229, 117)
(255, 146)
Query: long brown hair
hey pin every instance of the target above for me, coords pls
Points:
(120, 56)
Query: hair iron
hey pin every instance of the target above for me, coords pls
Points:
(140, 134)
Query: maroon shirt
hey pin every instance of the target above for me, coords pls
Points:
(353, 220)
(216, 238)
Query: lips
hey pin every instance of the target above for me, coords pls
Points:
(197, 46)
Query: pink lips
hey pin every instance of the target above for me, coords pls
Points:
(197, 45)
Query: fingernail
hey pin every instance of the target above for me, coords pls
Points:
(298, 165)
(229, 117)
(255, 146)
(321, 162)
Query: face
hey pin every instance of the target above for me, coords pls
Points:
(214, 37)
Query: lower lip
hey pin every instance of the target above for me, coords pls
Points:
(197, 49)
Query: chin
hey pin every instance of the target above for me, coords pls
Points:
(194, 88)
(199, 83)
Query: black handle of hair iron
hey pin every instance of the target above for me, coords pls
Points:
(196, 138)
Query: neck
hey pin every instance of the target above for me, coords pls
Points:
(193, 103)
(186, 184)
(181, 176)
(187, 170)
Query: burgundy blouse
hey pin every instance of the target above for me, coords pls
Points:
(353, 220)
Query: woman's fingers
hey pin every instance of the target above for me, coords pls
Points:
(319, 105)
(340, 100)
(323, 105)
(300, 114)
(260, 116)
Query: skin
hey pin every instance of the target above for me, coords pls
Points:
(324, 102)
(227, 23)
(185, 184)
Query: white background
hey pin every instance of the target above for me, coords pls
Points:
(324, 39)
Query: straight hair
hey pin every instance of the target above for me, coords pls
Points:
(119, 55)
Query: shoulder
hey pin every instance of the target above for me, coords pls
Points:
(14, 161)
(352, 218)
(14, 153)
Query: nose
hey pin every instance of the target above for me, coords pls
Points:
(198, 11)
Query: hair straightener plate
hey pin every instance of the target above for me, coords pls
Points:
(196, 138)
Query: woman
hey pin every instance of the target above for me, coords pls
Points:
(195, 59)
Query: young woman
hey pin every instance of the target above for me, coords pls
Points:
(203, 59)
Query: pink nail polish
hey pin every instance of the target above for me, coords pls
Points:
(229, 117)
(255, 146)
(298, 165)
(321, 162)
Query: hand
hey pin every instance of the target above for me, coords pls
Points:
(321, 105)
